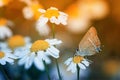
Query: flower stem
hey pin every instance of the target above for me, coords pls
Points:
(58, 70)
(78, 72)
(53, 35)
(53, 31)
(4, 72)
(46, 69)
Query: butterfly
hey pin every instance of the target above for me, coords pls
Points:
(90, 43)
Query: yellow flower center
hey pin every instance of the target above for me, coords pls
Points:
(39, 45)
(35, 7)
(16, 41)
(3, 22)
(1, 54)
(51, 12)
(77, 59)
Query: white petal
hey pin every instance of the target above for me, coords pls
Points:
(75, 69)
(53, 52)
(53, 8)
(63, 14)
(42, 10)
(21, 52)
(12, 56)
(81, 66)
(9, 60)
(54, 20)
(39, 63)
(3, 62)
(53, 41)
(68, 61)
(22, 60)
(42, 21)
(72, 67)
(7, 51)
(86, 62)
(26, 63)
(63, 19)
(29, 61)
(44, 57)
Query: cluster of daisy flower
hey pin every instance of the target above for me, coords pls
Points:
(18, 47)
(21, 49)
(31, 11)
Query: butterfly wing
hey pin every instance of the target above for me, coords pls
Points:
(90, 44)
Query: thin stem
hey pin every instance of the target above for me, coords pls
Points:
(4, 72)
(46, 69)
(78, 72)
(53, 31)
(53, 35)
(58, 70)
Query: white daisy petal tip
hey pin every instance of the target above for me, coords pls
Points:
(54, 52)
(56, 56)
(81, 66)
(68, 61)
(72, 67)
(39, 64)
(86, 63)
(64, 14)
(42, 10)
(54, 8)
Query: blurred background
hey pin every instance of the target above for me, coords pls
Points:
(104, 15)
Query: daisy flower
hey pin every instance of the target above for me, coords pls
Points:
(76, 60)
(6, 56)
(53, 15)
(38, 52)
(4, 30)
(32, 10)
(17, 41)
